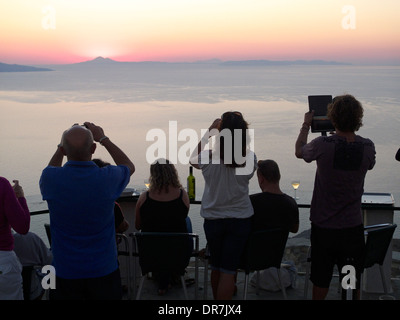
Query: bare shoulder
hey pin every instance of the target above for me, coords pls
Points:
(141, 198)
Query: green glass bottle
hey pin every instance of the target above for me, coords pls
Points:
(191, 185)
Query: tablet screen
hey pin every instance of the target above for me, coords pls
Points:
(319, 104)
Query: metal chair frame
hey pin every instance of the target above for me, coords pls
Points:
(135, 252)
(127, 253)
(272, 243)
(373, 256)
(247, 264)
(378, 260)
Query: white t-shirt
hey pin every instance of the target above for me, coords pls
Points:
(10, 276)
(226, 191)
(32, 251)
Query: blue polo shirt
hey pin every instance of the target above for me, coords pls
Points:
(81, 197)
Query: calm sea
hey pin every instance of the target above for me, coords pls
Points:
(129, 100)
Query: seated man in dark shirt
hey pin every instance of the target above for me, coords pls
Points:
(272, 207)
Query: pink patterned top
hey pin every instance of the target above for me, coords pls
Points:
(14, 213)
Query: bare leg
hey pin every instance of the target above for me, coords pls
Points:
(226, 286)
(215, 274)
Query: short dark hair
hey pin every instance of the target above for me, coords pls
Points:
(346, 113)
(269, 169)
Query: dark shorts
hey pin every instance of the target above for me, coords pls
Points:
(102, 288)
(330, 247)
(226, 240)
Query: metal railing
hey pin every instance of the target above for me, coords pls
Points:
(300, 205)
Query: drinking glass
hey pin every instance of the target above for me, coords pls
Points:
(295, 185)
(147, 183)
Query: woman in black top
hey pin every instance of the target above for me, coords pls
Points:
(164, 207)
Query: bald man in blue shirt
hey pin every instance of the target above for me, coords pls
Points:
(81, 197)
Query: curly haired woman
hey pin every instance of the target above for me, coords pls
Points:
(163, 208)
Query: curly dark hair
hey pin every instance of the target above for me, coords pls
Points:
(346, 113)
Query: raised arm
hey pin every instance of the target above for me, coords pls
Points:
(303, 135)
(57, 158)
(15, 206)
(212, 130)
(119, 157)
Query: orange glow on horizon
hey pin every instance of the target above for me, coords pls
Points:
(180, 30)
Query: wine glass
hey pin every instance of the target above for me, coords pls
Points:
(147, 183)
(295, 185)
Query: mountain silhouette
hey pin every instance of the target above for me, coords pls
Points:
(99, 60)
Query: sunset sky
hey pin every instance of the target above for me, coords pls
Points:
(60, 31)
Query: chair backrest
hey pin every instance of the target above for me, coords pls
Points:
(48, 232)
(122, 239)
(164, 251)
(26, 281)
(377, 244)
(264, 249)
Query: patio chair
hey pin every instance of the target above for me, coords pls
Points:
(48, 232)
(378, 239)
(264, 250)
(205, 278)
(26, 281)
(165, 252)
(122, 239)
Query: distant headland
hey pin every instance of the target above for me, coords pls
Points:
(283, 63)
(4, 67)
(100, 61)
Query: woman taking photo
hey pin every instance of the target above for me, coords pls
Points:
(226, 205)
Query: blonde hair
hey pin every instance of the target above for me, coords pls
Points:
(163, 175)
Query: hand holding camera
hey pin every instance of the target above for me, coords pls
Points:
(97, 132)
